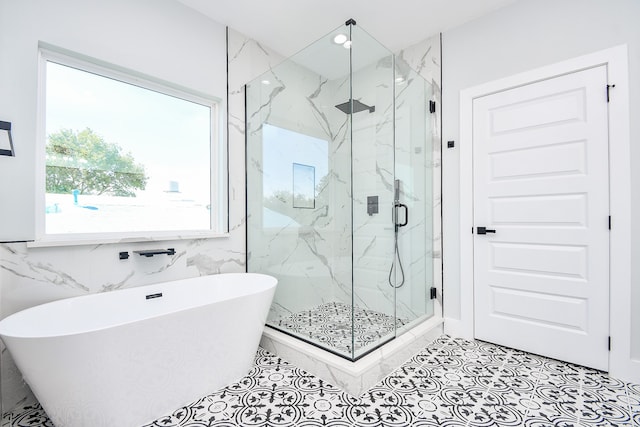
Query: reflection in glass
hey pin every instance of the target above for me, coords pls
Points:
(304, 184)
(282, 148)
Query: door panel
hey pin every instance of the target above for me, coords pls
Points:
(539, 307)
(558, 209)
(538, 162)
(541, 282)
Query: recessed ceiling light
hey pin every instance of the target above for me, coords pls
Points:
(399, 79)
(340, 39)
(266, 82)
(347, 44)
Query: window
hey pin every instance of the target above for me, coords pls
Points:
(126, 155)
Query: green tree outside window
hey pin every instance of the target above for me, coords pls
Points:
(84, 161)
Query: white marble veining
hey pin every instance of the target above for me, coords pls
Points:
(305, 247)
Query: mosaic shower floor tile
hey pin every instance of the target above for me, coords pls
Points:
(330, 325)
(452, 382)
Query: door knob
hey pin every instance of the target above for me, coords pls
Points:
(484, 230)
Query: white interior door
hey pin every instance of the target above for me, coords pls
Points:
(541, 281)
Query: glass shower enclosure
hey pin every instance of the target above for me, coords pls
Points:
(339, 192)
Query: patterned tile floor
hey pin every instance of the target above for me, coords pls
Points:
(330, 325)
(452, 382)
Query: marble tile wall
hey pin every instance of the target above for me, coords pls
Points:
(307, 249)
(372, 163)
(303, 247)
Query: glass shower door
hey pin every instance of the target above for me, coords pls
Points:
(413, 166)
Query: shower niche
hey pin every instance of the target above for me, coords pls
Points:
(339, 193)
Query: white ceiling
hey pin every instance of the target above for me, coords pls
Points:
(289, 25)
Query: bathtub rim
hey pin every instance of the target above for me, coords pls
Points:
(9, 324)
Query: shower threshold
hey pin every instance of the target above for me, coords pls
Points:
(353, 377)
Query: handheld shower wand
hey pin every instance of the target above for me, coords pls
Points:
(396, 226)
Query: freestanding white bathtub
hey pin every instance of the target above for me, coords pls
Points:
(127, 357)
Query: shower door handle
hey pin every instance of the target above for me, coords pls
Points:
(406, 214)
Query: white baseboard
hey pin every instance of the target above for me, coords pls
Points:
(625, 369)
(457, 328)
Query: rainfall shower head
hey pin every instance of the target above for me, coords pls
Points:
(358, 106)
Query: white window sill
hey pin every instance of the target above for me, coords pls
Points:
(99, 239)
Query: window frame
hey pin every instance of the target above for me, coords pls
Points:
(218, 167)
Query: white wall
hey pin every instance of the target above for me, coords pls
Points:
(160, 38)
(520, 37)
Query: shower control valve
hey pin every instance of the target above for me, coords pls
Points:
(372, 205)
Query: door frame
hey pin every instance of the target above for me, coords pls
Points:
(615, 59)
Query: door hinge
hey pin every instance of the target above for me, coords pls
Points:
(432, 106)
(433, 293)
(608, 89)
(609, 222)
(609, 344)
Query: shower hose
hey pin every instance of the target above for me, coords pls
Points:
(396, 257)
